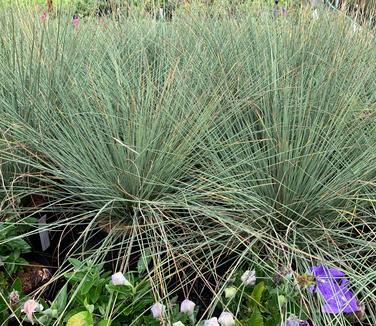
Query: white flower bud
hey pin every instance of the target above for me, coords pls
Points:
(230, 292)
(211, 322)
(249, 278)
(158, 310)
(119, 279)
(178, 323)
(187, 307)
(226, 319)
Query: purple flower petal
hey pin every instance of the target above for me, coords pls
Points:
(289, 323)
(331, 308)
(350, 301)
(323, 271)
(334, 289)
(311, 288)
(294, 321)
(303, 323)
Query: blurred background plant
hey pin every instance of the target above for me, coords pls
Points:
(363, 11)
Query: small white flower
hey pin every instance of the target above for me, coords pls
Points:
(249, 278)
(211, 322)
(187, 307)
(119, 279)
(230, 292)
(178, 323)
(226, 319)
(29, 307)
(14, 297)
(158, 310)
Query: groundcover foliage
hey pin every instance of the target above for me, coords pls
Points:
(204, 145)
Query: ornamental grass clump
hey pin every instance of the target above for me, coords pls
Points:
(217, 142)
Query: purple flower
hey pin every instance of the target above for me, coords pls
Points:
(333, 286)
(294, 321)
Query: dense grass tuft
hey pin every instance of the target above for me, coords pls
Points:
(219, 142)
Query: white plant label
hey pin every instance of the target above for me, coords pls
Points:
(43, 234)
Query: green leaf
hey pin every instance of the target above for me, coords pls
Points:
(122, 290)
(256, 296)
(83, 318)
(102, 310)
(256, 319)
(72, 312)
(51, 313)
(17, 285)
(104, 322)
(75, 262)
(86, 286)
(89, 307)
(60, 301)
(95, 293)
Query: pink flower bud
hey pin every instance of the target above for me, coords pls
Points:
(29, 307)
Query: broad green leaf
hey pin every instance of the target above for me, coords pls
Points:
(256, 319)
(83, 318)
(75, 262)
(95, 293)
(86, 286)
(72, 312)
(256, 296)
(17, 285)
